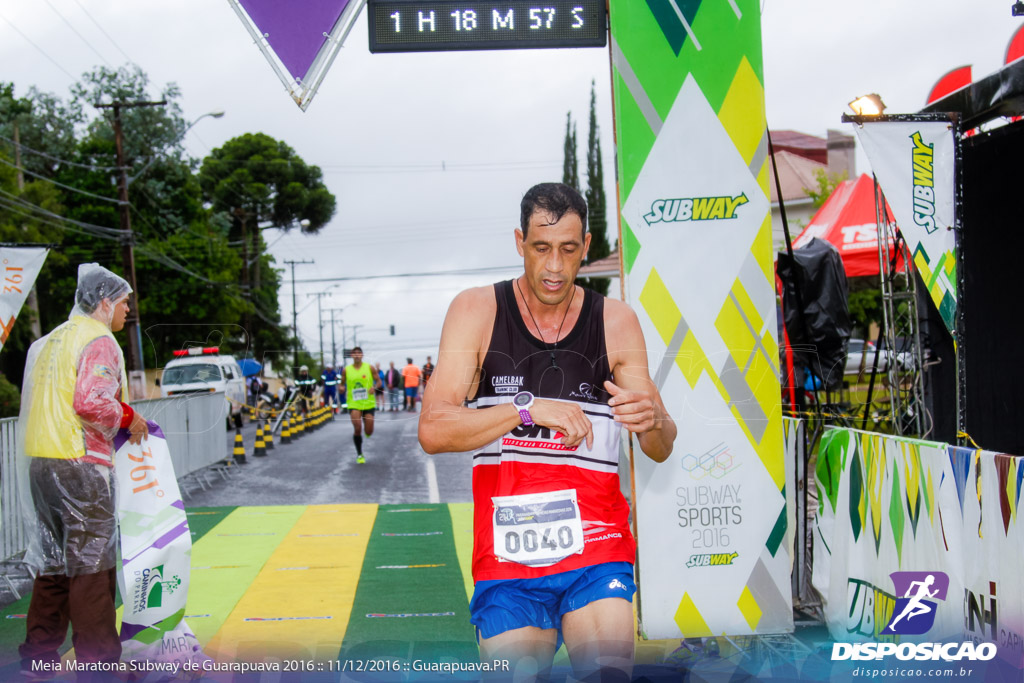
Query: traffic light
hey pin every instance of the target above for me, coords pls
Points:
(392, 330)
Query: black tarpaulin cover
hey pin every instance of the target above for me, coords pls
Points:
(817, 315)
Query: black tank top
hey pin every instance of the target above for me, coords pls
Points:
(518, 361)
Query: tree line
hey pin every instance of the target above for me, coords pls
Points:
(202, 269)
(597, 216)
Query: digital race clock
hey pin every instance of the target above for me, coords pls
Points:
(417, 26)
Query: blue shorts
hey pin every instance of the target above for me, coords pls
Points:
(503, 605)
(411, 391)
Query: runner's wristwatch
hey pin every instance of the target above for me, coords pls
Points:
(523, 401)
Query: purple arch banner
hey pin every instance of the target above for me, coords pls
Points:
(300, 39)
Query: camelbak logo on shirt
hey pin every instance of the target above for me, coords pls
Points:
(506, 384)
(694, 209)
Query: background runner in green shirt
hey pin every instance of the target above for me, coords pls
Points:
(360, 380)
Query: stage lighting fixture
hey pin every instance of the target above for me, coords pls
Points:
(868, 105)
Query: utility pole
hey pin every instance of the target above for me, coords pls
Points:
(295, 315)
(132, 324)
(334, 345)
(320, 319)
(247, 288)
(32, 302)
(355, 339)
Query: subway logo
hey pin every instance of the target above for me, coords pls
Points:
(694, 209)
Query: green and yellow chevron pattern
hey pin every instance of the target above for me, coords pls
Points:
(689, 100)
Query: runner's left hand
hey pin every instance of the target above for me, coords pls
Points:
(635, 410)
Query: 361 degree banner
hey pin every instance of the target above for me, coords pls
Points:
(19, 268)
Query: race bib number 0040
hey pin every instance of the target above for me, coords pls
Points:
(537, 529)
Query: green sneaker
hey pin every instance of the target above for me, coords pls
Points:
(360, 460)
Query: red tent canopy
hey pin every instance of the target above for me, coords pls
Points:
(848, 221)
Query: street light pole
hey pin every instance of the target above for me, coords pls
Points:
(133, 361)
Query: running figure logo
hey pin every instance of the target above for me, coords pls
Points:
(914, 612)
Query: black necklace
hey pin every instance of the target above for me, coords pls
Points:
(557, 334)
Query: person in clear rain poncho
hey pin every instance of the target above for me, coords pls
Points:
(73, 403)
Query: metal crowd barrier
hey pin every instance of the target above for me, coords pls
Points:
(12, 531)
(193, 426)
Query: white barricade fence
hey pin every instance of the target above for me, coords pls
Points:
(889, 506)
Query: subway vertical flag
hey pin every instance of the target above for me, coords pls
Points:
(697, 253)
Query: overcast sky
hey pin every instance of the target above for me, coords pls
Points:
(429, 154)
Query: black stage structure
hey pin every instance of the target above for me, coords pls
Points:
(991, 274)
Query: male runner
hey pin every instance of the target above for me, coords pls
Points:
(551, 373)
(360, 379)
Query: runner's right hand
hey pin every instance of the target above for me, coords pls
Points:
(567, 418)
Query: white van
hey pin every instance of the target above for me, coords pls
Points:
(199, 370)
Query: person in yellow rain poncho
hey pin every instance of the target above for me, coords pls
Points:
(72, 406)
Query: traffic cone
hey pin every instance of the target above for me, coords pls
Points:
(286, 433)
(268, 437)
(239, 452)
(300, 420)
(259, 449)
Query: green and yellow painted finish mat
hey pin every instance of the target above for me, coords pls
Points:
(322, 582)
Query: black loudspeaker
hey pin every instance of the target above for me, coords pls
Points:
(992, 295)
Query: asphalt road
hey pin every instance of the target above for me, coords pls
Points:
(321, 468)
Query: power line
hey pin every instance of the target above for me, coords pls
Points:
(90, 167)
(112, 41)
(101, 230)
(481, 168)
(66, 187)
(11, 207)
(41, 50)
(465, 271)
(75, 30)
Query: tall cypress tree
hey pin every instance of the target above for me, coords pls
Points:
(570, 168)
(596, 203)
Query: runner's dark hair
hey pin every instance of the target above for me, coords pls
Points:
(556, 199)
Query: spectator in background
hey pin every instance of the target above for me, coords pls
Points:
(428, 370)
(255, 386)
(412, 374)
(378, 391)
(306, 386)
(395, 383)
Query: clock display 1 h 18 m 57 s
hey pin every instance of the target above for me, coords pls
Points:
(420, 26)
